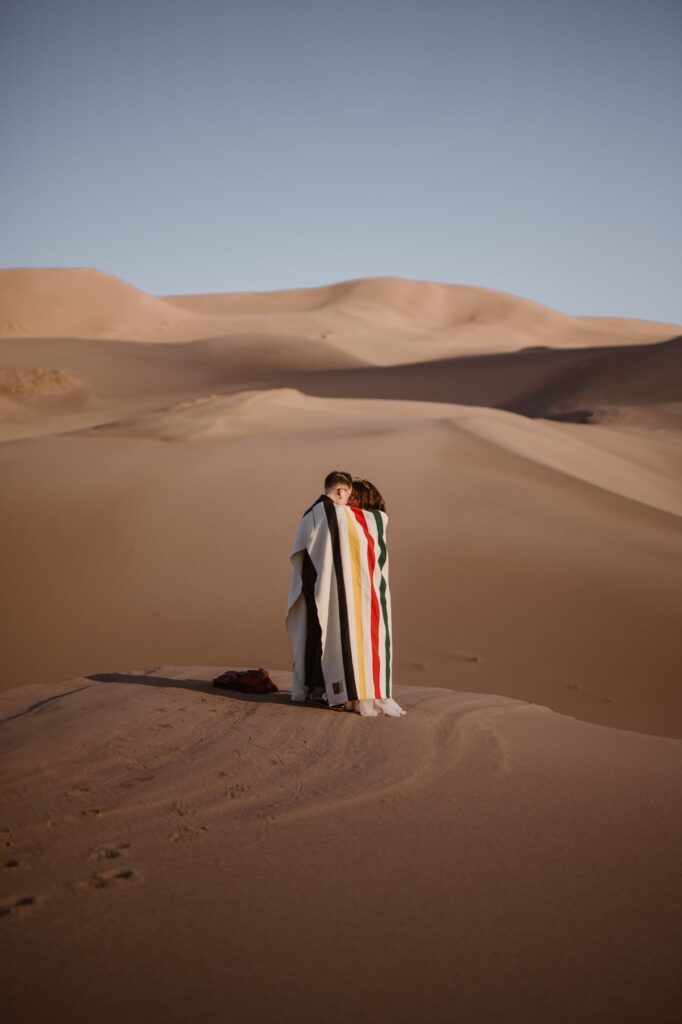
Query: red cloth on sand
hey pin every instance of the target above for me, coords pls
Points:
(250, 680)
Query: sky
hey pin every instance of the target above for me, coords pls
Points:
(532, 146)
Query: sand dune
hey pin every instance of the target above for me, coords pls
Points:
(435, 307)
(596, 384)
(254, 413)
(519, 528)
(209, 851)
(509, 854)
(629, 384)
(379, 320)
(524, 562)
(56, 303)
(624, 469)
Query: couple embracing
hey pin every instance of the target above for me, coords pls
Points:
(339, 610)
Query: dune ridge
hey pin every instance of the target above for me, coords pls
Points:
(380, 319)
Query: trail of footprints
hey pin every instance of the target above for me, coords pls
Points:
(14, 904)
(119, 873)
(106, 877)
(17, 904)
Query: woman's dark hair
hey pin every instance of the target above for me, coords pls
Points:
(365, 495)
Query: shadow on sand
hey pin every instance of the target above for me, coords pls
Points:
(282, 697)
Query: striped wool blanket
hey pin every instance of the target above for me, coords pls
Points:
(340, 554)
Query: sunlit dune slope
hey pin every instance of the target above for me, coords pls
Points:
(377, 320)
(285, 413)
(426, 305)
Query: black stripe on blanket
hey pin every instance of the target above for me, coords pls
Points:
(346, 653)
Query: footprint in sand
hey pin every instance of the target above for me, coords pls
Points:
(79, 792)
(180, 809)
(110, 852)
(236, 790)
(107, 878)
(11, 906)
(133, 782)
(86, 814)
(187, 832)
(592, 696)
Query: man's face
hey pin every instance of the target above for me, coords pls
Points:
(342, 494)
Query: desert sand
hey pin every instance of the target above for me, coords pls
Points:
(509, 850)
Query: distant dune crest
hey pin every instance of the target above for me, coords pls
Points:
(383, 320)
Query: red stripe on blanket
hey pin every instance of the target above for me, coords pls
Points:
(371, 562)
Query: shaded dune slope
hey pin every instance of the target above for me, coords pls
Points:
(533, 383)
(585, 385)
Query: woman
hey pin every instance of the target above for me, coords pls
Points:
(366, 496)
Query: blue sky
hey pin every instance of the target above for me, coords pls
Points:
(534, 147)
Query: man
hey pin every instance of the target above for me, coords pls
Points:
(338, 486)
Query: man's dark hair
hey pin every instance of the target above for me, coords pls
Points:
(338, 479)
